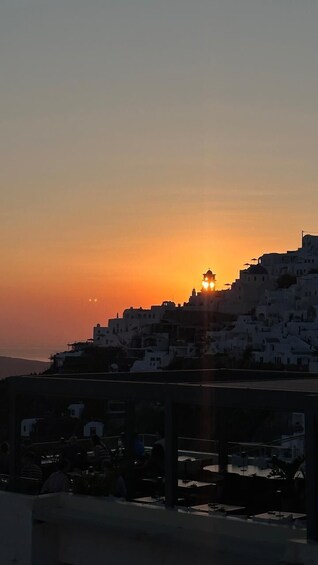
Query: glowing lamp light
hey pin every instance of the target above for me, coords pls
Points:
(208, 281)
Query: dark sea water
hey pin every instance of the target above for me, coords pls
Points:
(34, 353)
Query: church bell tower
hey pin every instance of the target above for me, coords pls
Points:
(208, 281)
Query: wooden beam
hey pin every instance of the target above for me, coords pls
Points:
(171, 454)
(223, 440)
(311, 454)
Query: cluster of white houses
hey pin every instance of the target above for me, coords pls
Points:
(274, 309)
(75, 410)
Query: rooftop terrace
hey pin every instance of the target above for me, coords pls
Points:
(219, 391)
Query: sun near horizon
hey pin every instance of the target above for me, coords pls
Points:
(143, 143)
(66, 305)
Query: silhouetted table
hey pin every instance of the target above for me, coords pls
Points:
(219, 508)
(193, 485)
(277, 517)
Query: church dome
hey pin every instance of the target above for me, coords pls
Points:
(208, 273)
(256, 270)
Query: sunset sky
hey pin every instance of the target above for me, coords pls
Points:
(142, 142)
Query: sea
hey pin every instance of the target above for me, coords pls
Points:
(40, 353)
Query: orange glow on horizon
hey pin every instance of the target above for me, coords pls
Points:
(46, 296)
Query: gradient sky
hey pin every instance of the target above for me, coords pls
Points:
(143, 141)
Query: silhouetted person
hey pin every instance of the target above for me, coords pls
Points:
(156, 462)
(76, 454)
(59, 480)
(30, 470)
(117, 485)
(102, 454)
(138, 447)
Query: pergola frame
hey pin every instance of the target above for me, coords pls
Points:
(225, 390)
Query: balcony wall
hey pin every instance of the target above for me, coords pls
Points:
(79, 530)
(15, 528)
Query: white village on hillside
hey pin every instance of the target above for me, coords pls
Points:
(269, 316)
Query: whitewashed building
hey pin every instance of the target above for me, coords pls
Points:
(76, 410)
(27, 426)
(93, 428)
(120, 331)
(153, 360)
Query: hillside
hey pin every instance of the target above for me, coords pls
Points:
(10, 366)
